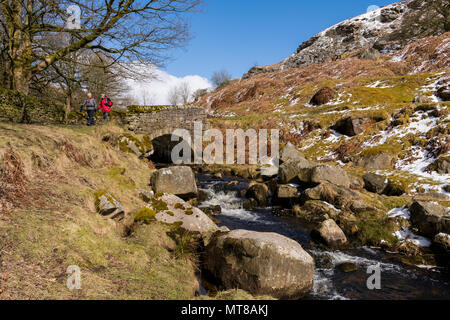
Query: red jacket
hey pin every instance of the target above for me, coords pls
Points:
(105, 104)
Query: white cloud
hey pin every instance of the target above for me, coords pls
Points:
(155, 89)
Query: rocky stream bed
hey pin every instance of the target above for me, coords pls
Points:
(339, 274)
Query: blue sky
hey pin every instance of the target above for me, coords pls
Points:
(237, 34)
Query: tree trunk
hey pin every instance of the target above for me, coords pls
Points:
(68, 106)
(19, 44)
(21, 79)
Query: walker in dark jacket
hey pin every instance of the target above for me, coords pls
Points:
(91, 107)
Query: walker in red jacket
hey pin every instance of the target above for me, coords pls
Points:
(105, 106)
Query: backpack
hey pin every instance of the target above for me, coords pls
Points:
(109, 102)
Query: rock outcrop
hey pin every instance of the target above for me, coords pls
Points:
(430, 218)
(260, 263)
(386, 29)
(179, 180)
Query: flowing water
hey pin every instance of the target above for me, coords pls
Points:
(398, 281)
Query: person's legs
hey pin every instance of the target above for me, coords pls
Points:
(105, 116)
(91, 117)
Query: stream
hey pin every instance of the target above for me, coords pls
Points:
(398, 281)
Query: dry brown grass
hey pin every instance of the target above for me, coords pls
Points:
(13, 182)
(73, 153)
(261, 93)
(347, 148)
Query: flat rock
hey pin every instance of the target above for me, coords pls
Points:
(331, 174)
(173, 209)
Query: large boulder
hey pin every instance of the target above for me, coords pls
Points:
(329, 233)
(290, 170)
(331, 174)
(375, 183)
(259, 192)
(177, 180)
(430, 218)
(339, 196)
(352, 126)
(171, 209)
(290, 152)
(260, 263)
(323, 96)
(377, 161)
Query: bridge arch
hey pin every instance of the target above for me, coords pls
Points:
(160, 124)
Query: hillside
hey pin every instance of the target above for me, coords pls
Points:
(386, 29)
(394, 96)
(49, 220)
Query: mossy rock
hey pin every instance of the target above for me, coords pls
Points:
(145, 215)
(373, 230)
(348, 267)
(179, 206)
(159, 205)
(132, 144)
(397, 186)
(102, 192)
(393, 149)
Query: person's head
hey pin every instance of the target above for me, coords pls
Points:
(103, 95)
(89, 95)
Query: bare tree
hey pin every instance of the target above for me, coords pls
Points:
(132, 30)
(184, 92)
(173, 96)
(221, 78)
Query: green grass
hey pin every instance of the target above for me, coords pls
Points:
(61, 227)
